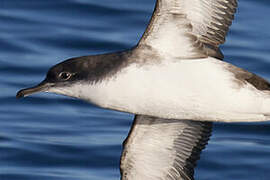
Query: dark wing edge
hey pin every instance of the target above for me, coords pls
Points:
(163, 148)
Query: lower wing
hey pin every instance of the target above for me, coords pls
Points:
(163, 149)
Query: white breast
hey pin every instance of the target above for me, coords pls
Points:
(182, 89)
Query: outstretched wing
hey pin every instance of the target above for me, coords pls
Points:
(163, 149)
(189, 28)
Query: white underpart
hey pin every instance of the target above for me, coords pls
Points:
(149, 154)
(186, 28)
(177, 89)
(170, 43)
(151, 160)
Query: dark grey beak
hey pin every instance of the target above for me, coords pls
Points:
(42, 87)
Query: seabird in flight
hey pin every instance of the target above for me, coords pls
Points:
(174, 81)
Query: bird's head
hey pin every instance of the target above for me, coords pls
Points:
(67, 77)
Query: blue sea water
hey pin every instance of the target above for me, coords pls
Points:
(51, 137)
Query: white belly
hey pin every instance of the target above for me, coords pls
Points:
(187, 89)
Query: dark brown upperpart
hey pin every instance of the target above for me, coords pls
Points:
(258, 82)
(95, 68)
(92, 68)
(242, 77)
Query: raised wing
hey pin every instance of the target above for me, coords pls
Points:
(163, 149)
(189, 28)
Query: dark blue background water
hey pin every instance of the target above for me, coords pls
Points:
(50, 137)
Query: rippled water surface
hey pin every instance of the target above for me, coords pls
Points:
(50, 137)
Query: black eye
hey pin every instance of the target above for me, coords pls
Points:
(64, 75)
